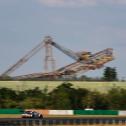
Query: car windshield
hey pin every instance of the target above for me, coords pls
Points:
(27, 112)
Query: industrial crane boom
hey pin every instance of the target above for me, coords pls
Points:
(83, 57)
(23, 59)
(68, 52)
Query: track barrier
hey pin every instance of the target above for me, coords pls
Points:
(62, 122)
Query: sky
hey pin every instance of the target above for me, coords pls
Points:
(89, 25)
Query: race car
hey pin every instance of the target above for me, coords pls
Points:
(31, 114)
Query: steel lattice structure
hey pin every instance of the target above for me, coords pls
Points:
(84, 61)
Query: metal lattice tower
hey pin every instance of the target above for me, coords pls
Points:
(49, 61)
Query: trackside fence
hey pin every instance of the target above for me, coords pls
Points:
(11, 111)
(62, 122)
(66, 112)
(81, 112)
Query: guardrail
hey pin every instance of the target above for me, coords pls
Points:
(63, 121)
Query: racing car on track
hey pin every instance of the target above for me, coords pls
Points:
(31, 114)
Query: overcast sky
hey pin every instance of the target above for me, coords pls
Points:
(90, 25)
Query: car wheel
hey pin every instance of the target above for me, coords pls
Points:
(40, 116)
(32, 116)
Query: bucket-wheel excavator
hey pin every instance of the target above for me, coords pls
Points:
(84, 61)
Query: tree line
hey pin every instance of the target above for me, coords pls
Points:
(65, 96)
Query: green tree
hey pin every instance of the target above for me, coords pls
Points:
(9, 103)
(67, 97)
(77, 96)
(8, 98)
(95, 100)
(30, 102)
(7, 93)
(33, 98)
(110, 74)
(59, 98)
(117, 99)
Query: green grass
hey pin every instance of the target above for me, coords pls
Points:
(24, 85)
(10, 116)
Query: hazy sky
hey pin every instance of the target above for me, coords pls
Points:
(89, 25)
